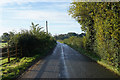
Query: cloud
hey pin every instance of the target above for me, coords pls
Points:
(58, 29)
(3, 2)
(4, 29)
(44, 12)
(20, 15)
(40, 15)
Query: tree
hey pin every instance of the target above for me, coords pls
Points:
(100, 21)
(31, 40)
(68, 35)
(5, 36)
(35, 29)
(83, 12)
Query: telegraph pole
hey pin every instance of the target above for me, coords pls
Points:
(46, 27)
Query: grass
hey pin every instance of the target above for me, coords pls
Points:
(18, 66)
(61, 41)
(107, 66)
(2, 45)
(6, 60)
(1, 57)
(13, 69)
(99, 61)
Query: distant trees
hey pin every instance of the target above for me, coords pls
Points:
(6, 36)
(70, 34)
(100, 21)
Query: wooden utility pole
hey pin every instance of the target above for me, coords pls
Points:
(46, 27)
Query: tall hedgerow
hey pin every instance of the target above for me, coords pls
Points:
(100, 21)
(32, 40)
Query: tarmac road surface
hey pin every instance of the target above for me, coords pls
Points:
(65, 62)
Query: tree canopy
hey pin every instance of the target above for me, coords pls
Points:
(100, 21)
(68, 35)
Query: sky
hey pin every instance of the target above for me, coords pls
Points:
(16, 15)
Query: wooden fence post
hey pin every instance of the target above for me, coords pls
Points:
(12, 50)
(16, 51)
(8, 51)
(21, 51)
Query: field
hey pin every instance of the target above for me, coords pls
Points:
(2, 45)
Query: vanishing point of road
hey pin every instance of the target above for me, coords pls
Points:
(65, 62)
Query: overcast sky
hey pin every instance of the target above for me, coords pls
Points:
(18, 14)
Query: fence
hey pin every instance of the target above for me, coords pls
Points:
(11, 51)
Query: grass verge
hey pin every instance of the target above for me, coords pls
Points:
(97, 59)
(6, 60)
(15, 68)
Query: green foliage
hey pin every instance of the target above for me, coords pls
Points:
(13, 69)
(35, 29)
(35, 44)
(6, 36)
(65, 36)
(6, 60)
(31, 39)
(74, 41)
(18, 66)
(100, 21)
(78, 44)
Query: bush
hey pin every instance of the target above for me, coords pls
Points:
(31, 40)
(100, 21)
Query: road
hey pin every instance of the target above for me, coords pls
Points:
(65, 62)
